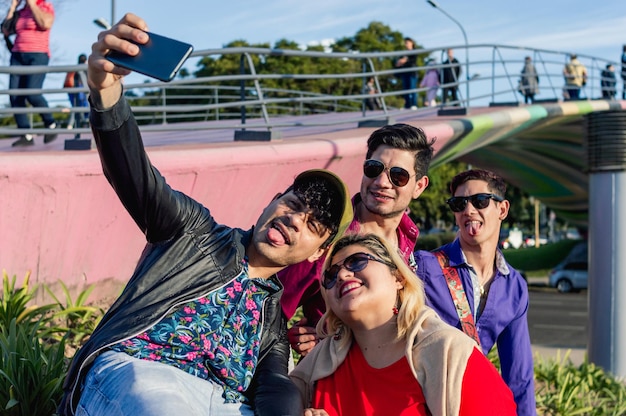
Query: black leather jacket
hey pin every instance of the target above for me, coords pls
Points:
(187, 256)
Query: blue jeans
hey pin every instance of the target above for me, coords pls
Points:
(28, 81)
(409, 82)
(120, 385)
(79, 99)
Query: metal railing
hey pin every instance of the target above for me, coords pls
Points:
(235, 98)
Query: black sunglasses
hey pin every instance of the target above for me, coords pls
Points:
(397, 175)
(479, 201)
(354, 263)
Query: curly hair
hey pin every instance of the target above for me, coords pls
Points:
(411, 297)
(404, 137)
(324, 201)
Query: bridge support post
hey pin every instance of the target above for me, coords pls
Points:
(606, 160)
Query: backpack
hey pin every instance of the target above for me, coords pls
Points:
(69, 80)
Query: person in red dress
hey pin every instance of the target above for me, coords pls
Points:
(384, 351)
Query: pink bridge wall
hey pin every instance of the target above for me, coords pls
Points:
(61, 220)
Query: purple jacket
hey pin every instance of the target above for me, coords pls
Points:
(503, 321)
(301, 281)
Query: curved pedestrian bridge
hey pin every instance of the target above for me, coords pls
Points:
(59, 213)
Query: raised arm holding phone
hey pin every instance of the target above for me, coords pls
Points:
(198, 329)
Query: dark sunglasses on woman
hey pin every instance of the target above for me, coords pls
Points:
(397, 175)
(353, 263)
(479, 201)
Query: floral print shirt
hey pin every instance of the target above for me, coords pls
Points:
(216, 337)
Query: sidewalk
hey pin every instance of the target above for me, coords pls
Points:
(576, 355)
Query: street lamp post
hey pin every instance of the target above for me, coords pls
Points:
(101, 22)
(467, 73)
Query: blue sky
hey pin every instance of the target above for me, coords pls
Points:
(594, 28)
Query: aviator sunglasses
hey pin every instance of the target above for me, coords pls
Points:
(397, 175)
(479, 201)
(353, 263)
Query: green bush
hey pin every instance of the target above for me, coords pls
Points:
(565, 389)
(539, 258)
(31, 371)
(430, 242)
(34, 344)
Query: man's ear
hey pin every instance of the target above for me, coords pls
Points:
(420, 186)
(504, 209)
(319, 253)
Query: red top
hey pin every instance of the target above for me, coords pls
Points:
(358, 389)
(29, 37)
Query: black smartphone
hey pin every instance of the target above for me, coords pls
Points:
(161, 57)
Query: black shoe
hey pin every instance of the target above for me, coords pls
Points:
(24, 141)
(50, 137)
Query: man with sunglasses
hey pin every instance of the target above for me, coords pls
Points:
(198, 328)
(472, 287)
(394, 173)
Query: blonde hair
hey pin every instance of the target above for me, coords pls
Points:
(411, 297)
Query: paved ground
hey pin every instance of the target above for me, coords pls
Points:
(576, 355)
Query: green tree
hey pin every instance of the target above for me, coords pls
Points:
(431, 206)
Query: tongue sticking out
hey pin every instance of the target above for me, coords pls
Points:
(275, 237)
(472, 227)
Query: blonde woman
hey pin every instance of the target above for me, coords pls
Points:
(384, 351)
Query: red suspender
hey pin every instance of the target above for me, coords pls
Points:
(458, 296)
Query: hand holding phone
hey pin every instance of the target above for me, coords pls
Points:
(161, 57)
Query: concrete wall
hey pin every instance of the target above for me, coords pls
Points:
(60, 219)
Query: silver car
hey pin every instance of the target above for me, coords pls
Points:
(571, 274)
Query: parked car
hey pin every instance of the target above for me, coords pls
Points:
(572, 273)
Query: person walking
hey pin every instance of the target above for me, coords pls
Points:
(198, 328)
(77, 79)
(431, 81)
(624, 72)
(471, 286)
(409, 79)
(372, 103)
(575, 75)
(529, 81)
(451, 75)
(608, 82)
(31, 47)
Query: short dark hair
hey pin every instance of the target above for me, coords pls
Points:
(82, 58)
(404, 137)
(323, 199)
(495, 183)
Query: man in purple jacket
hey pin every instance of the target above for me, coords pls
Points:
(394, 173)
(494, 293)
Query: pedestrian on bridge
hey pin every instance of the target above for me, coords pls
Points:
(608, 82)
(575, 75)
(529, 81)
(198, 328)
(31, 47)
(409, 78)
(451, 75)
(471, 286)
(624, 72)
